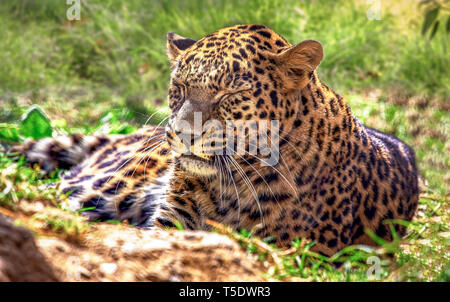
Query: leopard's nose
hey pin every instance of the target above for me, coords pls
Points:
(176, 128)
(179, 127)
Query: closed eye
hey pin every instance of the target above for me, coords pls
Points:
(225, 94)
(238, 87)
(221, 97)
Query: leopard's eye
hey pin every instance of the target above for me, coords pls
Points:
(220, 98)
(224, 96)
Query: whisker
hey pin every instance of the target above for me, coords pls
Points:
(293, 146)
(153, 146)
(220, 181)
(267, 184)
(153, 114)
(287, 168)
(281, 174)
(134, 111)
(222, 175)
(226, 158)
(156, 128)
(249, 185)
(291, 135)
(150, 138)
(147, 155)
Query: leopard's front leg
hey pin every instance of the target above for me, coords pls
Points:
(173, 202)
(179, 211)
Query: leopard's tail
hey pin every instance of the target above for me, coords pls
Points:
(62, 152)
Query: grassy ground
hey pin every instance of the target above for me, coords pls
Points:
(108, 72)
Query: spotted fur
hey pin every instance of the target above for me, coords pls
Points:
(335, 177)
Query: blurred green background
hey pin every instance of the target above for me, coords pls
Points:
(108, 72)
(117, 49)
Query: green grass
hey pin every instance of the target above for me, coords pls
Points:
(108, 73)
(19, 182)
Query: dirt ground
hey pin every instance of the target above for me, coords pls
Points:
(122, 253)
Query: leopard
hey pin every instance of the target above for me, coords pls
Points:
(335, 180)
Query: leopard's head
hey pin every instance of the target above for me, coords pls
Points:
(229, 86)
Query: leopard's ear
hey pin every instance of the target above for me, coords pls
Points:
(297, 62)
(176, 45)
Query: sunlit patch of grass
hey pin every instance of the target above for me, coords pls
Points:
(23, 192)
(19, 182)
(70, 226)
(424, 256)
(299, 263)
